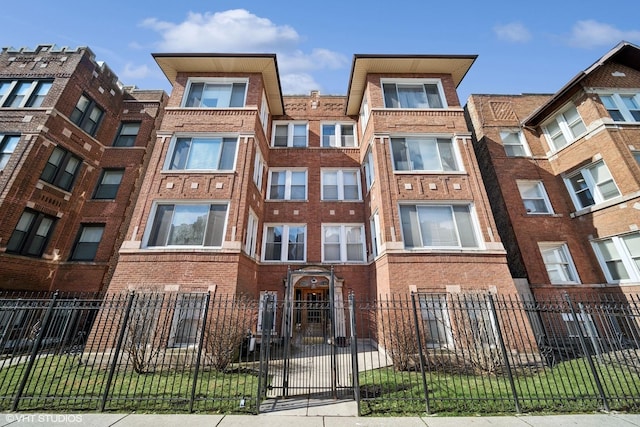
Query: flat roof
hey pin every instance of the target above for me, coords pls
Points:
(363, 64)
(173, 63)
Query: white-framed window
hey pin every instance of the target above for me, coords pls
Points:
(284, 242)
(364, 113)
(438, 226)
(564, 128)
(340, 184)
(252, 234)
(23, 93)
(287, 184)
(8, 144)
(482, 327)
(367, 166)
(258, 169)
(376, 234)
(591, 185)
(558, 262)
(514, 143)
(622, 107)
(534, 197)
(188, 223)
(290, 134)
(215, 93)
(424, 154)
(619, 257)
(274, 308)
(186, 325)
(338, 135)
(343, 243)
(583, 326)
(264, 113)
(202, 153)
(413, 93)
(436, 321)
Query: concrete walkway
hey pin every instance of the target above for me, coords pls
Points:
(139, 420)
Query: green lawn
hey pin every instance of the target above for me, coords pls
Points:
(567, 387)
(61, 383)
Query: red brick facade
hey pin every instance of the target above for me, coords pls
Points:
(612, 217)
(42, 128)
(230, 269)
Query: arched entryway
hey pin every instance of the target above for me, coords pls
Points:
(317, 304)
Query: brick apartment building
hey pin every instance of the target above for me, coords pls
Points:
(249, 191)
(73, 143)
(563, 175)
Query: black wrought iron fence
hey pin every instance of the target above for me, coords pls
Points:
(427, 352)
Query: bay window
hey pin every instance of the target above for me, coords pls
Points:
(424, 154)
(188, 224)
(203, 153)
(591, 185)
(214, 93)
(413, 93)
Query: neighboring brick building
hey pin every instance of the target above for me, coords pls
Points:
(563, 175)
(73, 143)
(249, 191)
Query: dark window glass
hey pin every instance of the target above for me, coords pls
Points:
(31, 234)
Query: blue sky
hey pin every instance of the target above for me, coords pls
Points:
(522, 47)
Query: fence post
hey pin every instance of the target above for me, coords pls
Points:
(354, 351)
(265, 343)
(583, 343)
(421, 357)
(34, 352)
(503, 349)
(112, 368)
(199, 357)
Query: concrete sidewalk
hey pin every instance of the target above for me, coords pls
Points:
(195, 420)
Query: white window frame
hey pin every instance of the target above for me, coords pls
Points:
(591, 185)
(172, 151)
(619, 253)
(364, 113)
(541, 196)
(8, 144)
(343, 243)
(376, 234)
(152, 219)
(284, 250)
(434, 310)
(264, 113)
(290, 133)
(259, 167)
(251, 239)
(337, 135)
(288, 183)
(565, 262)
(263, 296)
(218, 81)
(410, 161)
(584, 324)
(565, 128)
(368, 167)
(620, 106)
(29, 95)
(189, 307)
(473, 222)
(340, 183)
(413, 82)
(522, 143)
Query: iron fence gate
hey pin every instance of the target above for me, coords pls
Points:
(307, 347)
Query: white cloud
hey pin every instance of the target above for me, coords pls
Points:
(514, 32)
(239, 31)
(298, 83)
(590, 33)
(134, 72)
